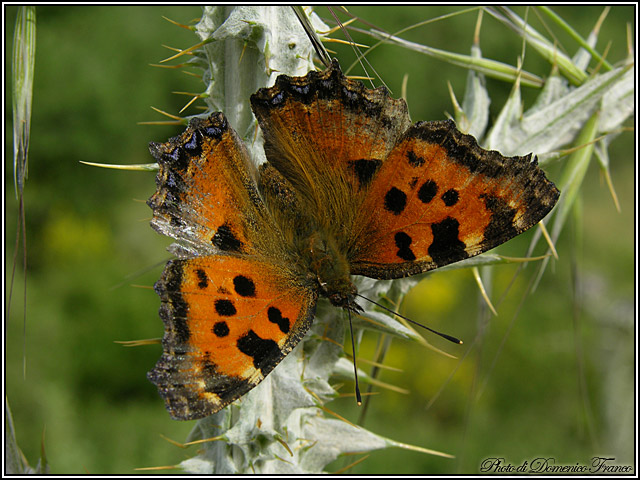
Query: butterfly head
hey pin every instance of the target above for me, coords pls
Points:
(329, 270)
(341, 294)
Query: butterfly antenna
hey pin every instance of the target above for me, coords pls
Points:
(355, 369)
(443, 335)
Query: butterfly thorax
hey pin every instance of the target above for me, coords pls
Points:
(309, 236)
(328, 269)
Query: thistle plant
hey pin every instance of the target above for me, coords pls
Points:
(279, 426)
(283, 425)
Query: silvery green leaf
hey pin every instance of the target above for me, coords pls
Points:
(333, 438)
(271, 406)
(488, 67)
(372, 288)
(376, 289)
(507, 121)
(570, 183)
(343, 369)
(199, 465)
(555, 88)
(476, 102)
(582, 57)
(554, 125)
(617, 105)
(336, 438)
(602, 152)
(214, 456)
(15, 461)
(618, 102)
(322, 354)
(573, 175)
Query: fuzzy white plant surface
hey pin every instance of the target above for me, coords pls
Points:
(280, 426)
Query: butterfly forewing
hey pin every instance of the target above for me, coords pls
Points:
(206, 195)
(439, 198)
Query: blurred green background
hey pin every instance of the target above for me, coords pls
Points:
(553, 377)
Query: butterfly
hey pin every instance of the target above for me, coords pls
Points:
(350, 187)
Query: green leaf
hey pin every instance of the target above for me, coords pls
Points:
(490, 68)
(587, 45)
(546, 48)
(23, 63)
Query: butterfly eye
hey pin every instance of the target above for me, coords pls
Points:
(339, 299)
(342, 294)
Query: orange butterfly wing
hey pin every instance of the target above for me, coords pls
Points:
(323, 124)
(327, 136)
(232, 306)
(440, 198)
(228, 322)
(208, 206)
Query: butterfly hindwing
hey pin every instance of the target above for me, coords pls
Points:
(440, 198)
(228, 322)
(328, 135)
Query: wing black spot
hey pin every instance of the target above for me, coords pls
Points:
(203, 281)
(427, 191)
(225, 308)
(450, 197)
(446, 246)
(364, 170)
(403, 242)
(244, 286)
(414, 160)
(226, 240)
(395, 201)
(262, 351)
(220, 329)
(275, 316)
